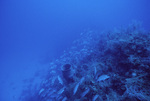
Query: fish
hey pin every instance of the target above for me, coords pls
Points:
(54, 95)
(41, 91)
(76, 88)
(81, 80)
(52, 72)
(61, 90)
(85, 92)
(64, 99)
(60, 80)
(95, 70)
(59, 98)
(103, 77)
(53, 80)
(95, 97)
(51, 92)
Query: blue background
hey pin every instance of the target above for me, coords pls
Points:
(35, 32)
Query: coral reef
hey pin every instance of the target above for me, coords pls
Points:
(108, 66)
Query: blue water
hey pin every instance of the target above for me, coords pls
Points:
(35, 32)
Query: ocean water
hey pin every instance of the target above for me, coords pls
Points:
(33, 33)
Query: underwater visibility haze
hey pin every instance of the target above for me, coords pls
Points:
(75, 50)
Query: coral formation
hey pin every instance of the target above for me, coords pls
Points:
(109, 66)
